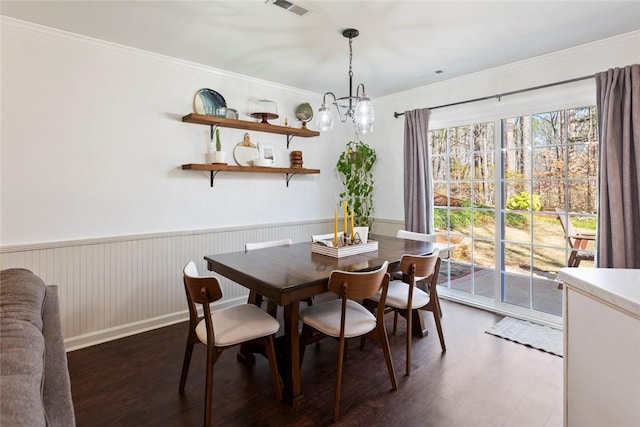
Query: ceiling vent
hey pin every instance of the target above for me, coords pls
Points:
(293, 8)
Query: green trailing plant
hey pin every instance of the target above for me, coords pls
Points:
(355, 166)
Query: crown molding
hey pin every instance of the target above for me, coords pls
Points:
(48, 33)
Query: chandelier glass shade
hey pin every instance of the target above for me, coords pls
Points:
(357, 108)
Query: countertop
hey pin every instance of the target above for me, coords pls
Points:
(616, 286)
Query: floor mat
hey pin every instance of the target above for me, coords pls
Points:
(533, 335)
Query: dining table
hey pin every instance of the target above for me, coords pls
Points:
(289, 274)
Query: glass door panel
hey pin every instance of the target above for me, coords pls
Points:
(499, 205)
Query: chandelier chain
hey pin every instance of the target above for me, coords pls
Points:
(350, 57)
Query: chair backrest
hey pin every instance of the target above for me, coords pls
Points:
(567, 226)
(199, 289)
(425, 265)
(269, 244)
(358, 285)
(421, 237)
(328, 236)
(415, 268)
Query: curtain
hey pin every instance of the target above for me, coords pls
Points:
(618, 103)
(418, 191)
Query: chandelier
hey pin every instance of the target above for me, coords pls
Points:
(358, 108)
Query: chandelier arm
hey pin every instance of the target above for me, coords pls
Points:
(343, 117)
(324, 97)
(358, 91)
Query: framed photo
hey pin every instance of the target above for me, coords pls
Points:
(268, 152)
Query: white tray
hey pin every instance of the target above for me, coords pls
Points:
(343, 251)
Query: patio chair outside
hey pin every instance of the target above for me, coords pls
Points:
(576, 241)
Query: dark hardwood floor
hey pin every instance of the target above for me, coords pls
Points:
(481, 380)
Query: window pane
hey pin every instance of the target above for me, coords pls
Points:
(583, 160)
(549, 162)
(517, 163)
(583, 196)
(548, 128)
(483, 194)
(438, 141)
(582, 125)
(440, 166)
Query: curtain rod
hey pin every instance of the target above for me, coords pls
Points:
(500, 95)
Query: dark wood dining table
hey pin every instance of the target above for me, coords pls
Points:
(292, 273)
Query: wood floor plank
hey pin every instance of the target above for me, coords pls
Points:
(480, 380)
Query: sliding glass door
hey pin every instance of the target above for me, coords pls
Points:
(549, 173)
(499, 201)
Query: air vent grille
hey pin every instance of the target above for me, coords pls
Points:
(293, 8)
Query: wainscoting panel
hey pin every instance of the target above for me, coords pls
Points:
(120, 286)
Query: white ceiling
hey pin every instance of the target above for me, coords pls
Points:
(401, 43)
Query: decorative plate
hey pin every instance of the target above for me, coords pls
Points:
(210, 103)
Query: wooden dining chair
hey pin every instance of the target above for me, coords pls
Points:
(404, 297)
(420, 237)
(223, 329)
(346, 318)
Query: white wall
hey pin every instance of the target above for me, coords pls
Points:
(92, 143)
(563, 65)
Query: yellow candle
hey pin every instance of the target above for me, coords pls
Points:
(346, 232)
(335, 228)
(352, 234)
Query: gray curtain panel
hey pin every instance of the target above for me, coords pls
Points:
(618, 102)
(418, 191)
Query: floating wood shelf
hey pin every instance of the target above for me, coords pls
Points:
(216, 168)
(247, 125)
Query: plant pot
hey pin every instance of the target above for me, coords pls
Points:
(218, 157)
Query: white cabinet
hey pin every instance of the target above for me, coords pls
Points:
(602, 347)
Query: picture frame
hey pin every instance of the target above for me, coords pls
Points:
(268, 152)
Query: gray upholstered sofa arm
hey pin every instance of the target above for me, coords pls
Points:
(34, 378)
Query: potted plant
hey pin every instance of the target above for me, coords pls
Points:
(218, 155)
(355, 165)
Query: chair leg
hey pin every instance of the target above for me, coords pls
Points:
(439, 308)
(188, 351)
(395, 321)
(436, 318)
(208, 393)
(273, 364)
(384, 343)
(255, 298)
(409, 339)
(572, 259)
(272, 308)
(336, 401)
(305, 335)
